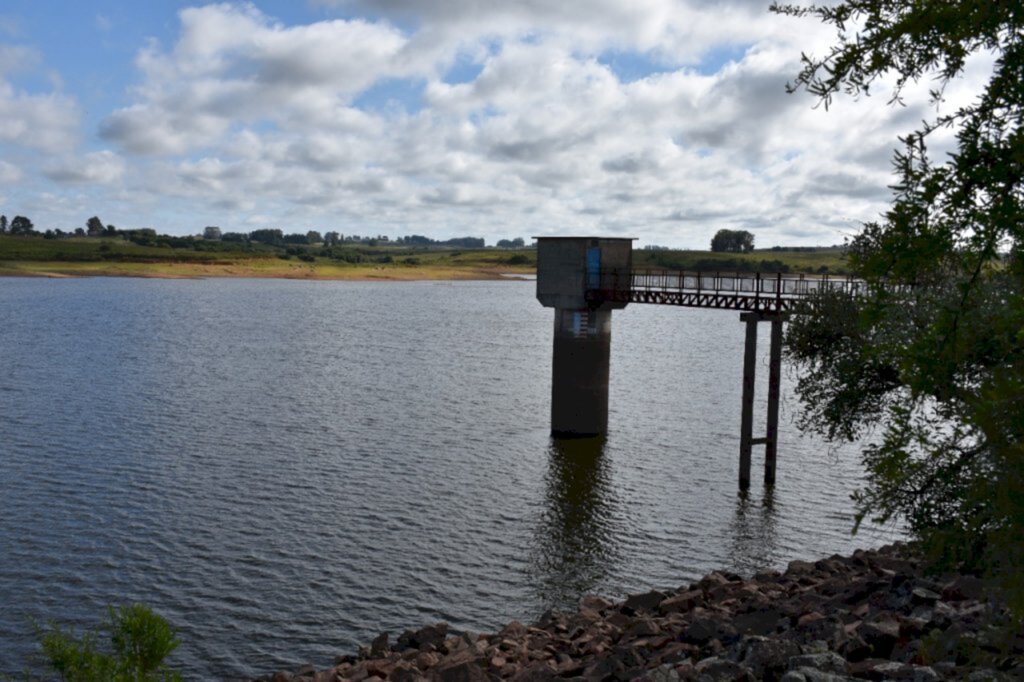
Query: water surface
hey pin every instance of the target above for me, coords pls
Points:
(285, 469)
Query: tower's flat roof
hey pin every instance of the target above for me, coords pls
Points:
(631, 239)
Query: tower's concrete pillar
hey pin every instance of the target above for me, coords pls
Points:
(567, 269)
(580, 369)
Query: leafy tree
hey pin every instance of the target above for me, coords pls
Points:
(296, 238)
(140, 640)
(332, 239)
(94, 226)
(735, 241)
(21, 225)
(3, 224)
(516, 243)
(928, 367)
(211, 233)
(273, 237)
(313, 237)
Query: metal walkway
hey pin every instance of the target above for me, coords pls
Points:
(745, 291)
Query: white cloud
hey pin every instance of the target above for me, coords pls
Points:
(232, 65)
(244, 113)
(9, 173)
(101, 168)
(46, 122)
(15, 58)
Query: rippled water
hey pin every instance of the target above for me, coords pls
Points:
(285, 469)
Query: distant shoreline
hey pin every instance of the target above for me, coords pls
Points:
(261, 270)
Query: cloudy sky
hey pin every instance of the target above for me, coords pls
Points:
(664, 120)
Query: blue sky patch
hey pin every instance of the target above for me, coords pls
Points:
(463, 70)
(719, 56)
(631, 66)
(389, 94)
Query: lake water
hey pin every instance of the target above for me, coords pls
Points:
(284, 469)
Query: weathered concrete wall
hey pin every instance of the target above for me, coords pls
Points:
(580, 368)
(562, 277)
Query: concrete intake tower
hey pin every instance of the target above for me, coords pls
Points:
(568, 267)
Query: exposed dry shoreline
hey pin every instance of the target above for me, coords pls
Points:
(873, 615)
(272, 269)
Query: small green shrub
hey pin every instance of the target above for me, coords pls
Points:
(140, 640)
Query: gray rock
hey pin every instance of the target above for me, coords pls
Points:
(379, 646)
(964, 587)
(921, 595)
(604, 667)
(923, 673)
(768, 658)
(828, 662)
(431, 635)
(663, 673)
(902, 672)
(647, 601)
(813, 675)
(987, 675)
(538, 672)
(468, 671)
(854, 649)
(880, 635)
(715, 669)
(760, 622)
(817, 646)
(704, 629)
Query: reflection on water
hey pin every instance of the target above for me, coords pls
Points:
(754, 532)
(575, 542)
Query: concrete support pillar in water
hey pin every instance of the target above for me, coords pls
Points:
(770, 441)
(580, 369)
(583, 279)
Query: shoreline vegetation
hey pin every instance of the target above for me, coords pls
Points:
(874, 615)
(33, 256)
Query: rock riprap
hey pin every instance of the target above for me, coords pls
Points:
(874, 615)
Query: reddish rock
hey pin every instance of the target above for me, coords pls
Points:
(684, 601)
(466, 671)
(430, 636)
(864, 616)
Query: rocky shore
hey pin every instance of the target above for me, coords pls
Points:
(874, 615)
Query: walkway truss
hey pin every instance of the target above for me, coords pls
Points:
(749, 292)
(759, 297)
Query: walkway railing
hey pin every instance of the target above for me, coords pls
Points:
(748, 291)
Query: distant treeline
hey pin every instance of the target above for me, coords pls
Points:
(807, 249)
(146, 236)
(680, 261)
